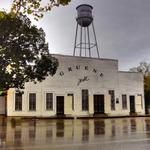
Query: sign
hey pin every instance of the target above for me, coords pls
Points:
(83, 80)
(78, 68)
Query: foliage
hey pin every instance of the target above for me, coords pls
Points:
(36, 7)
(147, 90)
(24, 54)
(144, 67)
(147, 83)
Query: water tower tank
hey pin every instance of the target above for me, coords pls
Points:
(84, 15)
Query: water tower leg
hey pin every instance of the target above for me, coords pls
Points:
(95, 40)
(81, 41)
(75, 39)
(89, 42)
(85, 40)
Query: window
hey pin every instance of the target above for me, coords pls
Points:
(72, 95)
(49, 101)
(18, 101)
(85, 101)
(32, 101)
(112, 99)
(124, 101)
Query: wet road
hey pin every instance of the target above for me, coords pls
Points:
(92, 134)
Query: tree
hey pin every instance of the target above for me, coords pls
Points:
(35, 7)
(147, 90)
(144, 67)
(24, 54)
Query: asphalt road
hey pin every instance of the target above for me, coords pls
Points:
(89, 134)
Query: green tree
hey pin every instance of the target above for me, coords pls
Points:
(144, 67)
(35, 7)
(24, 54)
(147, 90)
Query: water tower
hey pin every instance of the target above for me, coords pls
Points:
(83, 41)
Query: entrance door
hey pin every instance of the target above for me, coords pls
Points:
(132, 104)
(98, 104)
(60, 105)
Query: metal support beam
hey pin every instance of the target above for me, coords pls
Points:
(95, 40)
(81, 41)
(89, 41)
(75, 39)
(85, 39)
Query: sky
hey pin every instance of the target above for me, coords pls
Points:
(122, 29)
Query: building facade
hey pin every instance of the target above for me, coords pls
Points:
(81, 87)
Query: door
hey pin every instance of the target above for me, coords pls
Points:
(60, 105)
(132, 104)
(98, 104)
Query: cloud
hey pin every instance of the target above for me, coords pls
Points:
(122, 29)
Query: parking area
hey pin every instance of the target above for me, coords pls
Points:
(79, 134)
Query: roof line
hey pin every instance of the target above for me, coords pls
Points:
(85, 57)
(129, 72)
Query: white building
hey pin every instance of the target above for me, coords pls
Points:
(81, 87)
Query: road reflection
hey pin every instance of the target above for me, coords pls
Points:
(21, 132)
(60, 128)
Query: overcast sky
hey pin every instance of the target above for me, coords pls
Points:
(122, 29)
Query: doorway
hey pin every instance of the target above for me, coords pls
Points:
(132, 104)
(98, 104)
(60, 105)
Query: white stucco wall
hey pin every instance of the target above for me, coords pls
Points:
(132, 84)
(64, 81)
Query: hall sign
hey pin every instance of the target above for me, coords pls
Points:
(78, 68)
